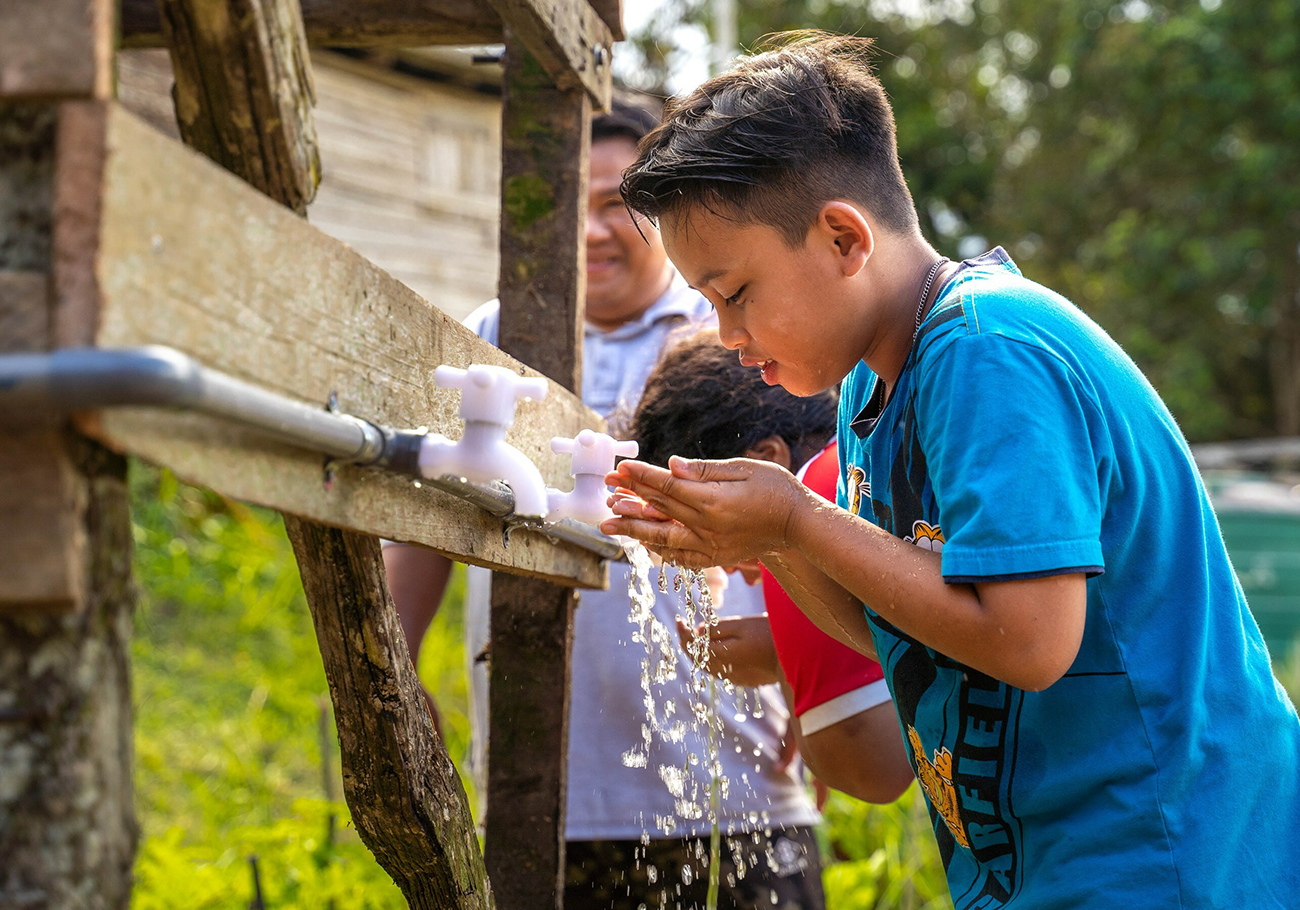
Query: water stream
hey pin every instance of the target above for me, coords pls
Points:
(692, 801)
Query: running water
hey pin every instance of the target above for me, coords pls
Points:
(659, 666)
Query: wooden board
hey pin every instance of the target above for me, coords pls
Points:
(53, 49)
(611, 11)
(568, 38)
(406, 798)
(191, 257)
(355, 23)
(244, 91)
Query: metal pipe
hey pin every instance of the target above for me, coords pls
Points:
(84, 379)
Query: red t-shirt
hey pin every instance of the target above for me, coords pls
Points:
(831, 681)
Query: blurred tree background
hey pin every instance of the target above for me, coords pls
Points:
(1139, 157)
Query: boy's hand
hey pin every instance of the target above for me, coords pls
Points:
(706, 513)
(740, 649)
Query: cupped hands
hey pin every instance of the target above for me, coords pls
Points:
(698, 513)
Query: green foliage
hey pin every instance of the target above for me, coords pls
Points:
(1138, 157)
(888, 859)
(229, 694)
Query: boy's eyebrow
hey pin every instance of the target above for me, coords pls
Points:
(707, 277)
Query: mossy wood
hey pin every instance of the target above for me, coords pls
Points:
(191, 257)
(545, 145)
(568, 38)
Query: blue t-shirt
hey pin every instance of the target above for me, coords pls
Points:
(1161, 771)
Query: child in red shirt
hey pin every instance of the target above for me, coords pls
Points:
(701, 403)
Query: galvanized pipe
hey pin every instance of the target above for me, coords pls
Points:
(85, 379)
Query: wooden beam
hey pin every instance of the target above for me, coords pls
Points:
(545, 146)
(611, 12)
(244, 91)
(191, 257)
(406, 798)
(354, 23)
(568, 38)
(54, 49)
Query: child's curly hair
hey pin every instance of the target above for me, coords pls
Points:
(701, 403)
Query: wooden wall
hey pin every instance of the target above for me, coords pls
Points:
(410, 166)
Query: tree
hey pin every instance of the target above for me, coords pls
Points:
(1137, 157)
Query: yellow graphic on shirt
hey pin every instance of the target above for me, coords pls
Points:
(855, 487)
(926, 536)
(936, 780)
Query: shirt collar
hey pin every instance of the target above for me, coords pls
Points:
(679, 300)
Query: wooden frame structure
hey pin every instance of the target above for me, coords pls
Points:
(113, 235)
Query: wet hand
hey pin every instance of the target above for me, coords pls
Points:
(740, 649)
(706, 513)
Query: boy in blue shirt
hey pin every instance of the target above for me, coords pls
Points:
(1024, 543)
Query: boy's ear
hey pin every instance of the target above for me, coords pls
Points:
(844, 225)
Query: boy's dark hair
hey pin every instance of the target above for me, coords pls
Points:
(773, 139)
(701, 403)
(631, 115)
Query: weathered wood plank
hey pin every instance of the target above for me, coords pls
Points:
(53, 49)
(278, 303)
(568, 38)
(611, 11)
(244, 91)
(406, 798)
(355, 23)
(545, 145)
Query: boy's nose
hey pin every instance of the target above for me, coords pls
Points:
(730, 332)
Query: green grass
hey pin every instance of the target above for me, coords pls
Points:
(229, 694)
(229, 690)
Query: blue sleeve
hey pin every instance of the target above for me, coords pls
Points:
(1013, 442)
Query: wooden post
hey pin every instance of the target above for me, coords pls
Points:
(399, 782)
(67, 828)
(546, 140)
(406, 798)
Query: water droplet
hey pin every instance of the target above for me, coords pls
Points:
(687, 875)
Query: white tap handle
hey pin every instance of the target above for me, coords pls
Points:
(534, 388)
(563, 445)
(446, 377)
(627, 448)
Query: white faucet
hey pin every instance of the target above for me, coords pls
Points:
(593, 457)
(487, 406)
